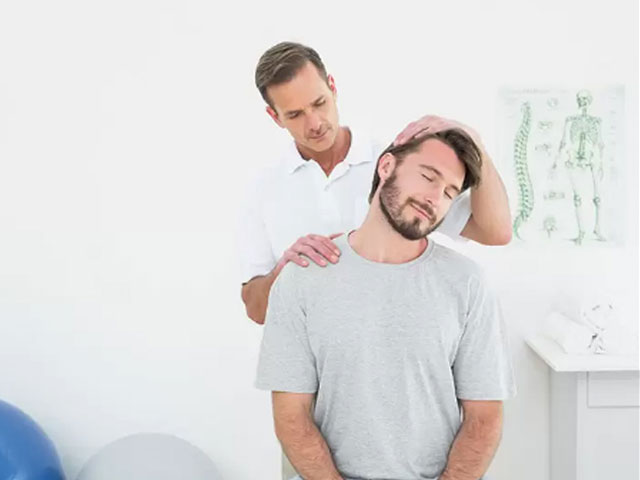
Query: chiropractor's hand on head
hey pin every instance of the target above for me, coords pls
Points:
(318, 248)
(433, 124)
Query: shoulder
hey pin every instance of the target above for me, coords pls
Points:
(463, 276)
(265, 175)
(377, 146)
(302, 283)
(312, 274)
(366, 145)
(267, 178)
(456, 265)
(286, 283)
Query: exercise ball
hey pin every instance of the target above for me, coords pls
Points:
(149, 456)
(26, 453)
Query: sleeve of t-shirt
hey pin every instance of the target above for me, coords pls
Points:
(482, 367)
(254, 247)
(457, 217)
(286, 362)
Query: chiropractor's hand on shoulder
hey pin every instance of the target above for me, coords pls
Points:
(433, 124)
(318, 248)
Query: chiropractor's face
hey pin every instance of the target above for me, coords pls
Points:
(417, 194)
(306, 107)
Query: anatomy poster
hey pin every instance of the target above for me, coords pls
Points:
(561, 157)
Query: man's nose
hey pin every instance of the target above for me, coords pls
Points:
(433, 197)
(313, 122)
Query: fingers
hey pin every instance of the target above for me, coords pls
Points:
(313, 254)
(318, 248)
(330, 249)
(426, 124)
(409, 131)
(292, 256)
(432, 124)
(321, 245)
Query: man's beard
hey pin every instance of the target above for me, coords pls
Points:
(411, 230)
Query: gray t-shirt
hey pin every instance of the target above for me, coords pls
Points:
(389, 349)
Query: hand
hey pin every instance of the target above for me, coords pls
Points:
(433, 124)
(316, 247)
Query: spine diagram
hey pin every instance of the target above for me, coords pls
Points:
(525, 187)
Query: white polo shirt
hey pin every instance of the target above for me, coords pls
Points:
(295, 198)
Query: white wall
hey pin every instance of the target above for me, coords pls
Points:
(127, 129)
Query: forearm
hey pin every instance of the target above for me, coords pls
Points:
(490, 204)
(307, 451)
(255, 295)
(473, 449)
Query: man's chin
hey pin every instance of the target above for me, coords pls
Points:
(412, 233)
(435, 226)
(323, 143)
(426, 231)
(323, 147)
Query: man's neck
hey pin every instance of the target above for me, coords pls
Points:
(377, 241)
(334, 155)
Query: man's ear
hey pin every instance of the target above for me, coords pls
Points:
(332, 85)
(386, 165)
(274, 115)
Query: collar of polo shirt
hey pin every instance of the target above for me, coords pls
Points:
(355, 155)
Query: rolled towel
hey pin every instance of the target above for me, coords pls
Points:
(598, 312)
(601, 312)
(616, 340)
(571, 336)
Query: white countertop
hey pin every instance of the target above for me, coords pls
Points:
(558, 360)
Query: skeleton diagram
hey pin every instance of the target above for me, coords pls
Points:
(581, 150)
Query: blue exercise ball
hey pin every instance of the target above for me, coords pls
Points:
(26, 453)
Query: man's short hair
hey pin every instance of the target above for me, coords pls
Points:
(460, 142)
(282, 62)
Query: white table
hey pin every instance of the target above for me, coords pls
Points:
(593, 413)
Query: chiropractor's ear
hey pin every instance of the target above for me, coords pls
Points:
(332, 84)
(274, 115)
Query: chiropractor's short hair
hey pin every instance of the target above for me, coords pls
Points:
(282, 62)
(464, 147)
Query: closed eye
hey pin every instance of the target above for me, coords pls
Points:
(446, 193)
(320, 103)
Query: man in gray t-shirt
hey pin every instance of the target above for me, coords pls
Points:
(395, 341)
